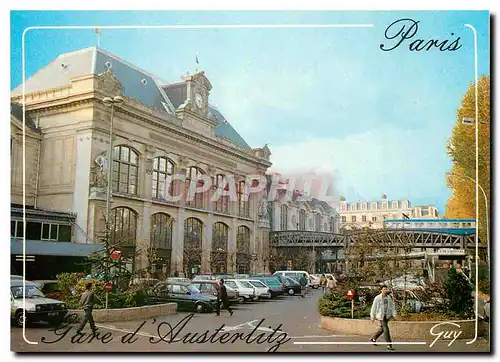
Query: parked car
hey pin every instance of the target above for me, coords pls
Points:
(274, 284)
(291, 286)
(49, 288)
(187, 297)
(203, 277)
(209, 287)
(246, 291)
(144, 282)
(38, 307)
(314, 281)
(178, 279)
(295, 274)
(261, 290)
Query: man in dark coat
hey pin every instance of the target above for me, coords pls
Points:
(88, 300)
(222, 298)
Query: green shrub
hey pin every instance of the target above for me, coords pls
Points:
(484, 286)
(458, 293)
(338, 305)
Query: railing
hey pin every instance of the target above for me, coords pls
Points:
(396, 238)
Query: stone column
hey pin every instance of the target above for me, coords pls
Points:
(206, 244)
(232, 247)
(83, 163)
(143, 236)
(147, 178)
(178, 242)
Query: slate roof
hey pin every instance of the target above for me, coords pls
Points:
(137, 83)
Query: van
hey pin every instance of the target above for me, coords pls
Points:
(295, 274)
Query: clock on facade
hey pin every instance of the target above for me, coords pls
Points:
(198, 100)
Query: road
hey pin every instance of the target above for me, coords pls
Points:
(297, 318)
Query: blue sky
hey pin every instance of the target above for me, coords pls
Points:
(323, 99)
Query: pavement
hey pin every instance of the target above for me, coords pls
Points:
(289, 324)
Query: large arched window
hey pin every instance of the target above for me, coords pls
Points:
(125, 170)
(194, 198)
(220, 236)
(161, 244)
(163, 171)
(243, 201)
(284, 217)
(193, 236)
(222, 202)
(243, 250)
(302, 220)
(123, 227)
(317, 222)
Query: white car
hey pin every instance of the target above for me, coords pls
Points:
(246, 291)
(261, 290)
(314, 281)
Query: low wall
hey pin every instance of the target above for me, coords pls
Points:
(401, 329)
(128, 314)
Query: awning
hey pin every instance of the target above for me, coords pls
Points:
(36, 247)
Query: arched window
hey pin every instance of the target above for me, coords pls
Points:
(163, 171)
(193, 198)
(243, 202)
(222, 202)
(161, 244)
(220, 235)
(374, 206)
(343, 207)
(317, 222)
(193, 235)
(243, 250)
(125, 170)
(123, 227)
(302, 220)
(394, 204)
(284, 217)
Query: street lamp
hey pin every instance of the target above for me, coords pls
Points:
(110, 102)
(486, 207)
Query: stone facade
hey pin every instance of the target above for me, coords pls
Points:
(74, 142)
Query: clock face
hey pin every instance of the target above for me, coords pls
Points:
(198, 100)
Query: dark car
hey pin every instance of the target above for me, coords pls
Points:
(274, 284)
(49, 288)
(187, 297)
(290, 285)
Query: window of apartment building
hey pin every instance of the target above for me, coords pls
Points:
(193, 198)
(302, 220)
(243, 202)
(284, 217)
(125, 170)
(344, 219)
(373, 206)
(394, 204)
(317, 222)
(222, 202)
(161, 231)
(374, 218)
(163, 170)
(41, 231)
(353, 218)
(363, 218)
(123, 226)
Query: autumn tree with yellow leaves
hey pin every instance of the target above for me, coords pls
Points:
(462, 150)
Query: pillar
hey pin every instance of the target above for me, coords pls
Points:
(178, 242)
(206, 244)
(232, 247)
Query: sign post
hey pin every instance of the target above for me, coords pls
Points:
(350, 295)
(108, 287)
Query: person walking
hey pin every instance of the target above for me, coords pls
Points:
(222, 298)
(88, 300)
(383, 310)
(322, 282)
(303, 285)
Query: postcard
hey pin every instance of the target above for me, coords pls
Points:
(232, 181)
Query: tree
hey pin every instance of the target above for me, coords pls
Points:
(459, 293)
(461, 149)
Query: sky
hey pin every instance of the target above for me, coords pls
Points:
(325, 100)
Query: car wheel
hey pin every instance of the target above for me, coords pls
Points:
(19, 319)
(241, 300)
(291, 292)
(200, 308)
(315, 287)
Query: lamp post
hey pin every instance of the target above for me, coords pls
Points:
(110, 102)
(486, 209)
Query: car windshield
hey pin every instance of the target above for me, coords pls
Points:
(31, 292)
(272, 281)
(246, 284)
(193, 289)
(258, 284)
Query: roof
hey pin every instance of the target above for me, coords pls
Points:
(58, 248)
(16, 110)
(137, 83)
